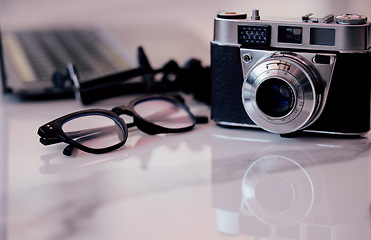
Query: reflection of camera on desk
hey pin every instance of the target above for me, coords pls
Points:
(286, 77)
(303, 191)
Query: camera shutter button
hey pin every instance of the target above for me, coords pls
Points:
(232, 15)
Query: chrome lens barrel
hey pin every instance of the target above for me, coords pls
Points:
(281, 93)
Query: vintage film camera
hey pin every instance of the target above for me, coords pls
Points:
(288, 77)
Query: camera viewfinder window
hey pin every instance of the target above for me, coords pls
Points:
(290, 34)
(322, 36)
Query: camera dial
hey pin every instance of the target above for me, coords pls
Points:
(232, 15)
(351, 19)
(282, 93)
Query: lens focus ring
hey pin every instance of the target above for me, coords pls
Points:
(280, 93)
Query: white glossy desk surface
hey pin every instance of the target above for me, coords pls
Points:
(210, 183)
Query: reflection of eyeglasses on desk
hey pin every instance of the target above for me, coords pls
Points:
(102, 131)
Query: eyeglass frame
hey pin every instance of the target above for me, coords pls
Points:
(52, 132)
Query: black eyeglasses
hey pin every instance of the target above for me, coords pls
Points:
(101, 131)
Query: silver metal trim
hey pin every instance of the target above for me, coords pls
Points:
(231, 124)
(348, 38)
(226, 44)
(243, 125)
(305, 100)
(337, 133)
(302, 74)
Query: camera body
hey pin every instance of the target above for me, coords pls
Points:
(287, 77)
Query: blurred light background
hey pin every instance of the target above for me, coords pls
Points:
(158, 24)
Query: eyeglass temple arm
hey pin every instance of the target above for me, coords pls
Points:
(69, 150)
(49, 140)
(89, 134)
(81, 133)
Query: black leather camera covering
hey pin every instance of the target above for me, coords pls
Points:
(347, 109)
(226, 85)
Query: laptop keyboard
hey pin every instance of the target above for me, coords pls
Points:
(39, 54)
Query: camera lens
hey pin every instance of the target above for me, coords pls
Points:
(282, 92)
(275, 97)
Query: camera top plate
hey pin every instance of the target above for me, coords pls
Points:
(345, 33)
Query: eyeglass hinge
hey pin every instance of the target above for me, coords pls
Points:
(49, 140)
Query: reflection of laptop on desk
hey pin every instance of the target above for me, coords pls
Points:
(32, 57)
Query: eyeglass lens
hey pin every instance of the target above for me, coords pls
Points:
(164, 113)
(94, 131)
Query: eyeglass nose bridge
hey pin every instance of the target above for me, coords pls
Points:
(146, 125)
(125, 110)
(122, 110)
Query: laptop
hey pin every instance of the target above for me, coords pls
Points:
(29, 59)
